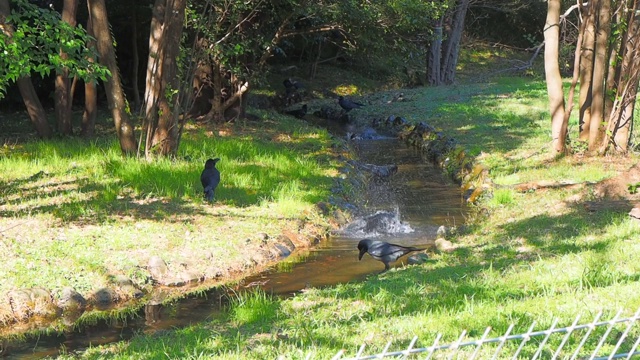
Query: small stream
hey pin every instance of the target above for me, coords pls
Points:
(421, 196)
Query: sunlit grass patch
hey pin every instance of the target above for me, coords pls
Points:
(502, 197)
(253, 308)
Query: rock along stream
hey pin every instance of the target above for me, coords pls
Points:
(406, 208)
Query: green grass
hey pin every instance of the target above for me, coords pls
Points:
(75, 212)
(523, 258)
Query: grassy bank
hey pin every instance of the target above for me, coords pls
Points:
(526, 256)
(76, 214)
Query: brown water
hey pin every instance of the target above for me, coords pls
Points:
(418, 192)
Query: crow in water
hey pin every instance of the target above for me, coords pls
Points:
(348, 105)
(210, 178)
(383, 251)
(299, 113)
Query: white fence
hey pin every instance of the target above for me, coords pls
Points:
(615, 337)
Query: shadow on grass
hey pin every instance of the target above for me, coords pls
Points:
(476, 115)
(75, 179)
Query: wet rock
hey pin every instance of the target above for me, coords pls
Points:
(158, 269)
(282, 251)
(447, 231)
(390, 120)
(366, 134)
(419, 258)
(104, 298)
(381, 171)
(380, 223)
(190, 276)
(339, 218)
(443, 245)
(127, 287)
(29, 302)
(399, 121)
(286, 242)
(71, 301)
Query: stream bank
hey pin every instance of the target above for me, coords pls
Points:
(382, 196)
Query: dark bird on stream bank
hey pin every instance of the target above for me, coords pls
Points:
(383, 251)
(299, 113)
(291, 86)
(347, 104)
(210, 178)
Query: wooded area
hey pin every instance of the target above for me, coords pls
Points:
(204, 57)
(606, 67)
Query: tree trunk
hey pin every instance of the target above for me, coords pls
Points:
(613, 65)
(596, 130)
(135, 60)
(115, 95)
(628, 73)
(166, 136)
(434, 60)
(452, 44)
(154, 74)
(586, 71)
(161, 108)
(553, 77)
(29, 97)
(34, 107)
(63, 96)
(88, 125)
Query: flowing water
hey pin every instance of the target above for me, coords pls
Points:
(417, 199)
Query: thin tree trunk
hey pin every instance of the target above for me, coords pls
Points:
(63, 96)
(135, 60)
(29, 96)
(166, 137)
(34, 107)
(88, 125)
(162, 80)
(154, 74)
(628, 70)
(576, 74)
(586, 71)
(613, 66)
(434, 60)
(115, 95)
(596, 130)
(452, 44)
(553, 77)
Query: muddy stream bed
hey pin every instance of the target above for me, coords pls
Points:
(414, 203)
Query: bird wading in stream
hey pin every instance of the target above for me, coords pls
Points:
(210, 178)
(348, 105)
(383, 251)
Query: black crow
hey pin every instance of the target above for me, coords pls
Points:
(210, 178)
(291, 86)
(383, 251)
(348, 105)
(299, 113)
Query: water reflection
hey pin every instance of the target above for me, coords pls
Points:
(419, 193)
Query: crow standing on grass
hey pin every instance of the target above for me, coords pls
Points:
(210, 178)
(348, 105)
(383, 251)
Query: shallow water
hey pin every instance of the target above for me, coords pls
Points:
(418, 192)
